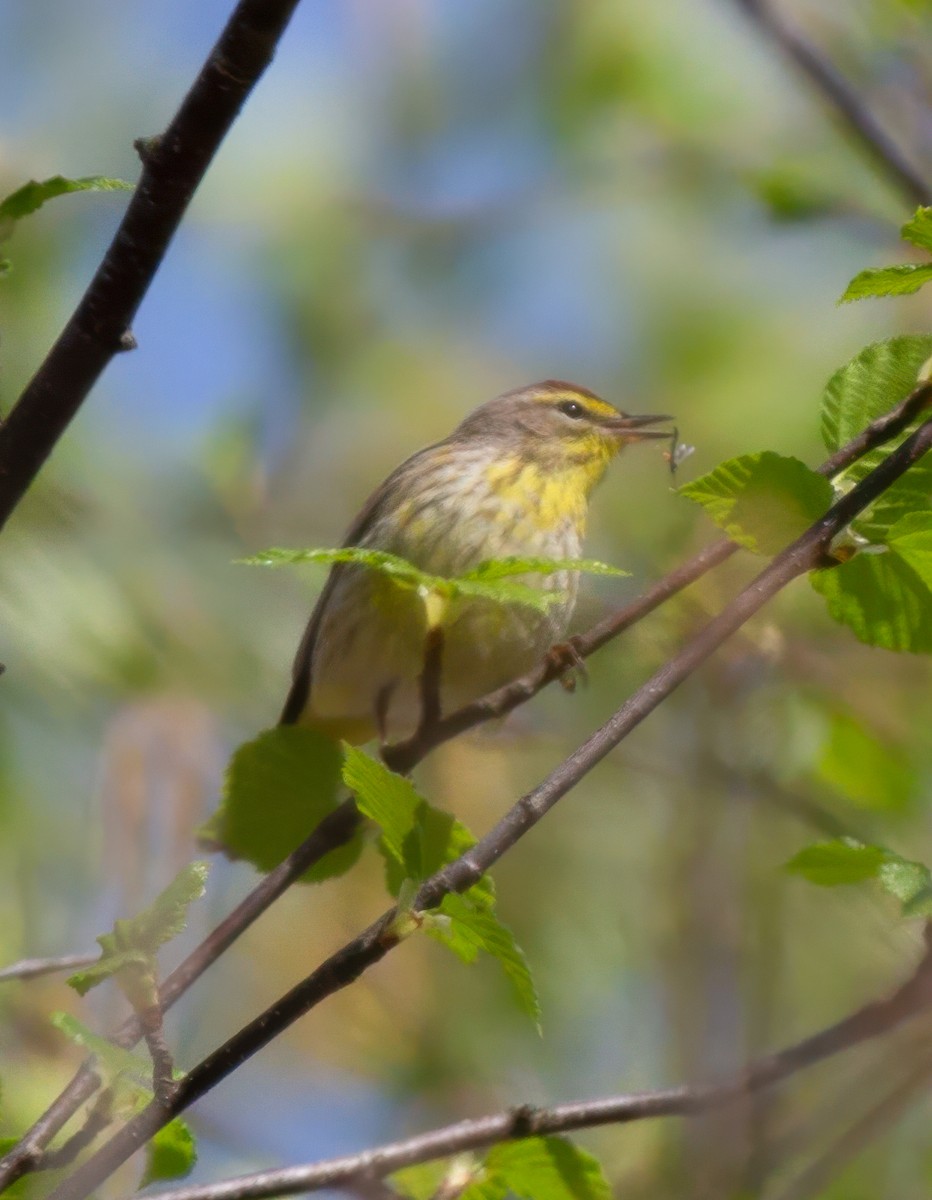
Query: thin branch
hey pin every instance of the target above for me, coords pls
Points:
(98, 1119)
(173, 166)
(340, 825)
(32, 968)
(854, 113)
(874, 1019)
(853, 1141)
(345, 966)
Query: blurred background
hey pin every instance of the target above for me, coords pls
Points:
(424, 204)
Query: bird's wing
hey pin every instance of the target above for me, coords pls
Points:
(300, 690)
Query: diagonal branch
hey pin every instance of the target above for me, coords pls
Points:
(878, 1017)
(173, 166)
(853, 112)
(808, 552)
(339, 826)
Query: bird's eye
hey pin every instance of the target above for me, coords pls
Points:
(571, 408)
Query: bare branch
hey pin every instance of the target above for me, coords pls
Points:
(347, 964)
(173, 166)
(853, 112)
(874, 1019)
(32, 968)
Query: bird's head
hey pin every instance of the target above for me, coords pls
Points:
(556, 423)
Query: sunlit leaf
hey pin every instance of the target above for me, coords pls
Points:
(876, 282)
(500, 568)
(277, 788)
(875, 380)
(492, 580)
(763, 501)
(170, 1154)
(133, 942)
(114, 1061)
(844, 861)
(881, 598)
(473, 928)
(918, 229)
(32, 195)
(540, 1168)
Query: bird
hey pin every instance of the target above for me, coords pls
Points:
(513, 479)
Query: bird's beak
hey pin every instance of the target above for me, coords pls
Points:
(634, 429)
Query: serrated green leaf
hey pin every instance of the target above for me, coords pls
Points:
(875, 380)
(115, 1062)
(881, 598)
(277, 788)
(864, 769)
(911, 540)
(170, 1154)
(492, 580)
(133, 942)
(763, 501)
(877, 282)
(832, 864)
(417, 839)
(475, 927)
(918, 229)
(541, 1168)
(388, 799)
(389, 564)
(501, 568)
(32, 195)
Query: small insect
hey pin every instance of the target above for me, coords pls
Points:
(678, 452)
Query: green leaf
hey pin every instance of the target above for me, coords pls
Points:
(32, 195)
(881, 598)
(133, 942)
(116, 1063)
(170, 1154)
(864, 769)
(868, 386)
(501, 568)
(918, 229)
(417, 839)
(388, 799)
(278, 787)
(763, 501)
(831, 864)
(875, 282)
(474, 927)
(911, 539)
(540, 1168)
(491, 580)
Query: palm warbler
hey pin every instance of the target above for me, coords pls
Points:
(513, 479)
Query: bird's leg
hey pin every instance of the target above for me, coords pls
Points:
(430, 679)
(565, 658)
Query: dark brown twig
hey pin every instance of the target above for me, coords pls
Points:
(347, 964)
(173, 166)
(854, 113)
